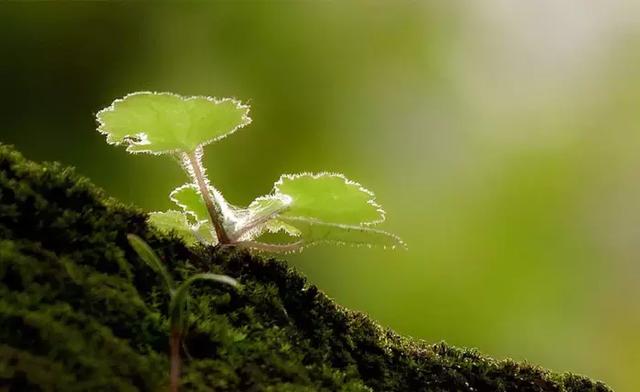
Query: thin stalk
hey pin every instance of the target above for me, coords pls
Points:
(175, 359)
(255, 223)
(215, 211)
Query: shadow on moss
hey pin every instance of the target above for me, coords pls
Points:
(79, 311)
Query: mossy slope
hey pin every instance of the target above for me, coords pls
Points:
(80, 312)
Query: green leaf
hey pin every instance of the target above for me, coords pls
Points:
(318, 208)
(189, 199)
(330, 198)
(268, 205)
(176, 222)
(277, 225)
(259, 216)
(161, 123)
(147, 255)
(180, 295)
(314, 232)
(204, 232)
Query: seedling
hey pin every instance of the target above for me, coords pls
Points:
(309, 208)
(178, 303)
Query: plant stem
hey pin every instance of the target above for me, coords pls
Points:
(174, 342)
(215, 212)
(255, 223)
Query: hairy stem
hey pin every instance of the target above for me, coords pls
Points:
(214, 209)
(255, 223)
(174, 342)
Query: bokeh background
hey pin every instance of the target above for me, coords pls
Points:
(502, 137)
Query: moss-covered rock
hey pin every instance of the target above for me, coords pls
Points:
(80, 312)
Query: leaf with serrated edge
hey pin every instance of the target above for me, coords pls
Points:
(205, 233)
(277, 225)
(160, 123)
(314, 232)
(189, 199)
(265, 205)
(174, 221)
(253, 219)
(330, 198)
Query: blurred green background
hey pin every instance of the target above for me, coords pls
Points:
(502, 138)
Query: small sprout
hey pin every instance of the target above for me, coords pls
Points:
(309, 208)
(147, 255)
(178, 303)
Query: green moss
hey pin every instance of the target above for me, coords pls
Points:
(79, 311)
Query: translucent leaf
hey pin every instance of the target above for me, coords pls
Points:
(188, 198)
(330, 198)
(314, 232)
(252, 220)
(268, 205)
(318, 208)
(174, 221)
(277, 225)
(160, 123)
(204, 232)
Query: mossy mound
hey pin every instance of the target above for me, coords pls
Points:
(80, 312)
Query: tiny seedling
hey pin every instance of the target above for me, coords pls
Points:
(309, 208)
(178, 303)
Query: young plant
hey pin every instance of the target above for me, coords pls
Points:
(178, 303)
(309, 208)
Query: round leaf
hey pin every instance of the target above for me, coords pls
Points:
(189, 199)
(330, 198)
(176, 222)
(161, 123)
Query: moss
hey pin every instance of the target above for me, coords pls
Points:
(79, 311)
